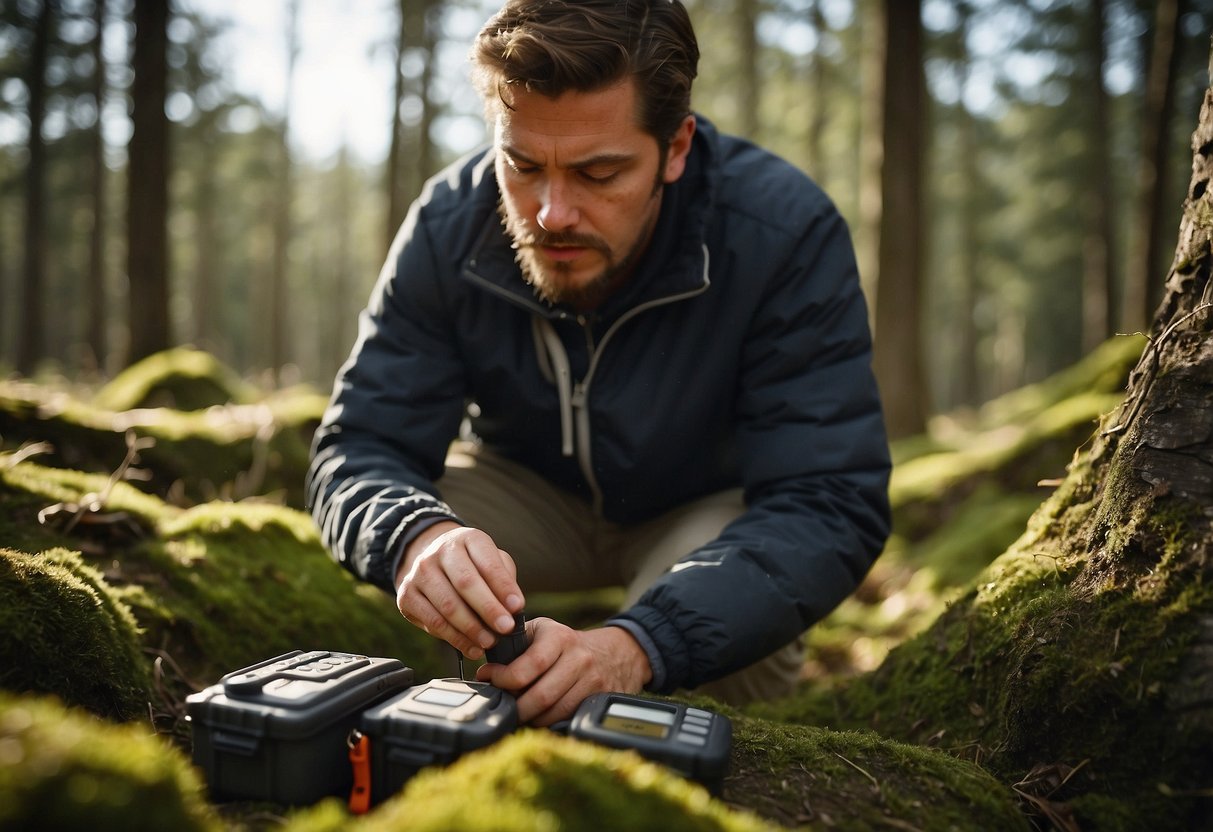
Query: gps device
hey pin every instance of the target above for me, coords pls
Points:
(692, 741)
(431, 724)
(277, 730)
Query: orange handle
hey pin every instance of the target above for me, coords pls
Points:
(360, 760)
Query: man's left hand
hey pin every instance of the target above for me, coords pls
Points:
(563, 666)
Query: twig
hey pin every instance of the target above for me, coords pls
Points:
(1153, 352)
(860, 770)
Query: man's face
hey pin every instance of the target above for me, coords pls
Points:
(581, 188)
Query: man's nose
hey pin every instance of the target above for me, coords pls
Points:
(557, 211)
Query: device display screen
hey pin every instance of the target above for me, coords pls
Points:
(635, 719)
(445, 698)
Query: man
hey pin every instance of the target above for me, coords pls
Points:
(657, 337)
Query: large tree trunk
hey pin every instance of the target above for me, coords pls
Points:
(29, 328)
(147, 192)
(898, 351)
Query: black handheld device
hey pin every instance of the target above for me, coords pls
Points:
(277, 730)
(692, 741)
(432, 724)
(511, 646)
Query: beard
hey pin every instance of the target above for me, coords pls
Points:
(551, 281)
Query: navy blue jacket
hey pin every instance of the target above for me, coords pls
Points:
(738, 355)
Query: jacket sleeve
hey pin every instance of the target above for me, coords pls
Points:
(815, 467)
(396, 406)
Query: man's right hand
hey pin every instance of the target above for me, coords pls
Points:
(452, 581)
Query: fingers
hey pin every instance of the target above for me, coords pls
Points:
(456, 584)
(555, 674)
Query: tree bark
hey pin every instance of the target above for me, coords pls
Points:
(898, 348)
(30, 345)
(147, 192)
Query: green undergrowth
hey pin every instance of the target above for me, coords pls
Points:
(66, 769)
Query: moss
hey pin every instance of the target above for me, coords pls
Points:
(858, 780)
(65, 632)
(536, 780)
(60, 769)
(223, 585)
(180, 379)
(231, 452)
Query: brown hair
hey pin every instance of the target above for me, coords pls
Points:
(557, 46)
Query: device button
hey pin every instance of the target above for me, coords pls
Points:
(693, 728)
(691, 739)
(706, 716)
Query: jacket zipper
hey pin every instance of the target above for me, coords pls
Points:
(581, 390)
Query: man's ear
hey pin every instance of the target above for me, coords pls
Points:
(676, 154)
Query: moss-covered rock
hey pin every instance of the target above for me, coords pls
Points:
(228, 451)
(176, 379)
(64, 631)
(61, 769)
(219, 586)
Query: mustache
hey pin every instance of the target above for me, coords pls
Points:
(541, 238)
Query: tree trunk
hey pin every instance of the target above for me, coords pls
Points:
(817, 95)
(279, 313)
(898, 349)
(392, 184)
(30, 345)
(147, 192)
(1144, 281)
(1099, 279)
(97, 302)
(749, 89)
(872, 46)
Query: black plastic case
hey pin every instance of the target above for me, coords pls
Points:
(433, 724)
(277, 731)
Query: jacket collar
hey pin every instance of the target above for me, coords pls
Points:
(673, 265)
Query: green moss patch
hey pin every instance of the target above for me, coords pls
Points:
(179, 379)
(229, 451)
(858, 780)
(536, 780)
(60, 769)
(222, 585)
(63, 631)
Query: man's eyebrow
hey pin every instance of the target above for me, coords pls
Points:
(581, 164)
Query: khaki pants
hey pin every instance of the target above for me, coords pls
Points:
(559, 545)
